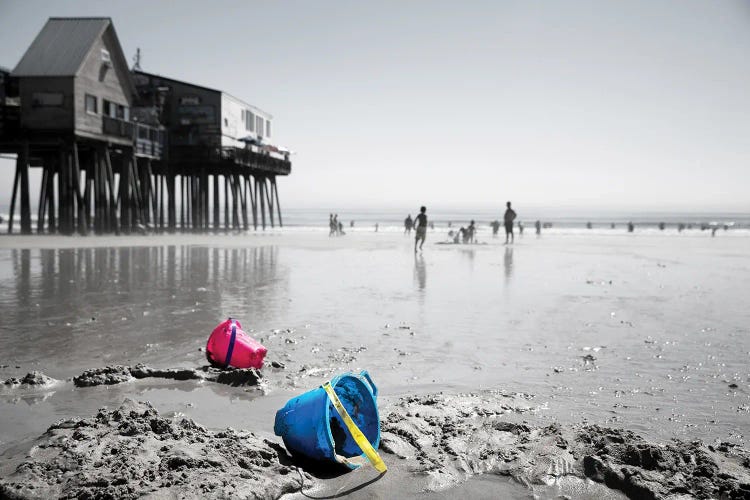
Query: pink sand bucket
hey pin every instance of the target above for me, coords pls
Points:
(229, 346)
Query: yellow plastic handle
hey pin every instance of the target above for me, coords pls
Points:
(359, 438)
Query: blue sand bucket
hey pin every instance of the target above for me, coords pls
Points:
(311, 427)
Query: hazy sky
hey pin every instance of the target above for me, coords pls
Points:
(618, 104)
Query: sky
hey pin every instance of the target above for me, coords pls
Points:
(633, 104)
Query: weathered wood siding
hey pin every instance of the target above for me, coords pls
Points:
(93, 79)
(193, 114)
(42, 117)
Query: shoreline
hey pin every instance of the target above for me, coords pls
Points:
(318, 237)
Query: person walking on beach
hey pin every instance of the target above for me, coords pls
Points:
(509, 217)
(336, 225)
(420, 226)
(331, 225)
(408, 224)
(538, 226)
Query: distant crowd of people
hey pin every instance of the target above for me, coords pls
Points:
(467, 235)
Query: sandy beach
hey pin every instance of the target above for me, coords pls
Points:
(551, 360)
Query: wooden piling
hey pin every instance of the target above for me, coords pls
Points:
(226, 202)
(51, 218)
(216, 201)
(75, 166)
(278, 203)
(269, 199)
(262, 201)
(25, 204)
(114, 200)
(42, 200)
(253, 200)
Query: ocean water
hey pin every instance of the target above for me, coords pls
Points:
(558, 221)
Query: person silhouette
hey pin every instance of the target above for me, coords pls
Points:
(420, 225)
(495, 225)
(470, 232)
(509, 217)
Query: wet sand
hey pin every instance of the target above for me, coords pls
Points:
(646, 334)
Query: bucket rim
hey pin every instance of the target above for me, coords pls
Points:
(334, 381)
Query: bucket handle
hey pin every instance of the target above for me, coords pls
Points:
(373, 388)
(232, 340)
(359, 438)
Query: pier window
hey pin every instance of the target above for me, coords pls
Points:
(268, 128)
(123, 112)
(46, 99)
(259, 126)
(114, 110)
(249, 121)
(108, 108)
(91, 104)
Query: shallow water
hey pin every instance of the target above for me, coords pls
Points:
(643, 332)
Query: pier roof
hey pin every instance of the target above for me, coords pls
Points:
(60, 49)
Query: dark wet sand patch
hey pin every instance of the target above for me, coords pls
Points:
(117, 374)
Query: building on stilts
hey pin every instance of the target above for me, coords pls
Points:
(124, 151)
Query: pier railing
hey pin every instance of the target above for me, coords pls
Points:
(231, 156)
(147, 140)
(117, 127)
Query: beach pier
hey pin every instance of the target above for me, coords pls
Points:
(122, 151)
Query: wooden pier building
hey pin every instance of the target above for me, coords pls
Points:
(113, 143)
(214, 135)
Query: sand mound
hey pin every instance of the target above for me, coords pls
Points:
(133, 451)
(32, 379)
(454, 437)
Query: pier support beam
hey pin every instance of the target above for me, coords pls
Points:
(172, 204)
(278, 204)
(25, 204)
(262, 183)
(216, 201)
(253, 199)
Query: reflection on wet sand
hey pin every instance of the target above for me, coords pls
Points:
(508, 262)
(420, 272)
(81, 305)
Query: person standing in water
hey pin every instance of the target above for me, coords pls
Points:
(408, 224)
(509, 217)
(495, 225)
(420, 225)
(470, 231)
